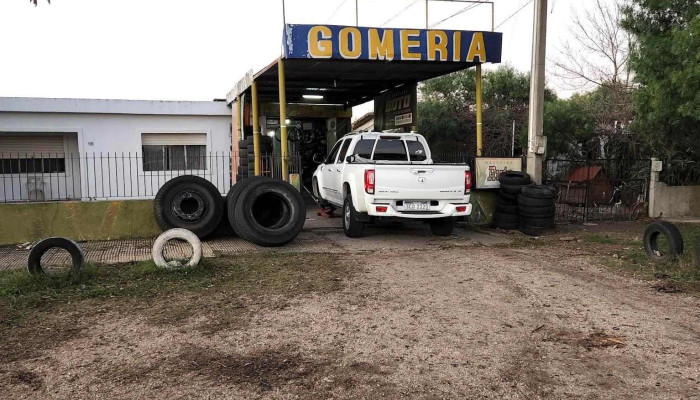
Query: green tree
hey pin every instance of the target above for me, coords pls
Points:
(666, 65)
(447, 113)
(571, 128)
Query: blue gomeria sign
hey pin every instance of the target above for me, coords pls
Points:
(387, 44)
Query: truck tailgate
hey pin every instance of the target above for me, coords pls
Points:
(419, 182)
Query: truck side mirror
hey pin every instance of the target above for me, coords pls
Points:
(318, 158)
(350, 159)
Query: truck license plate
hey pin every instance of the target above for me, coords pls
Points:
(416, 205)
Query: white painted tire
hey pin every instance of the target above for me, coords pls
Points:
(177, 233)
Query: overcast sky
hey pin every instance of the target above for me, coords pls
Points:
(197, 50)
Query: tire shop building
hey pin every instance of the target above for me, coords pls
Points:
(300, 104)
(85, 149)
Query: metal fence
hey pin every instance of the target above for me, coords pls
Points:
(597, 190)
(28, 177)
(97, 176)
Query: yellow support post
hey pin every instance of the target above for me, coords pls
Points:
(479, 137)
(238, 134)
(256, 129)
(283, 119)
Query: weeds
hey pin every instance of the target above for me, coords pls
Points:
(261, 273)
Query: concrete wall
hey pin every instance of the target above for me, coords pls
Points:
(673, 201)
(100, 220)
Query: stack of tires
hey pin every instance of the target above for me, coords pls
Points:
(536, 209)
(261, 210)
(507, 204)
(246, 154)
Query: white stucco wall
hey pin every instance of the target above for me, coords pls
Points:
(114, 128)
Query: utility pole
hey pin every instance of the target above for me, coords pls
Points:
(536, 141)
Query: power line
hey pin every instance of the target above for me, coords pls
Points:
(513, 15)
(400, 12)
(336, 11)
(465, 9)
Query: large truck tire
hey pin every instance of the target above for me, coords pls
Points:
(38, 250)
(269, 212)
(673, 238)
(234, 194)
(352, 226)
(188, 202)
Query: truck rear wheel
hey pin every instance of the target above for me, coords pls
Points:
(352, 227)
(442, 226)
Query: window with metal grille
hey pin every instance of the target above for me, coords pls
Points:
(174, 157)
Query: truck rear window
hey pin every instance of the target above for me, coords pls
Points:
(390, 150)
(364, 148)
(416, 150)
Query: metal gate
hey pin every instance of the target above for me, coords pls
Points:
(599, 190)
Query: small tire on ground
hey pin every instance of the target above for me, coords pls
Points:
(673, 238)
(188, 202)
(442, 226)
(533, 202)
(269, 212)
(539, 192)
(38, 250)
(172, 234)
(352, 226)
(514, 178)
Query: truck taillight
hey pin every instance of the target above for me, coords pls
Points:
(369, 181)
(467, 181)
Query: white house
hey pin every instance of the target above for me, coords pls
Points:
(53, 149)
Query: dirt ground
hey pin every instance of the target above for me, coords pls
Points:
(446, 319)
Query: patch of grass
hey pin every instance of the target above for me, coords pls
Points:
(601, 239)
(683, 272)
(259, 273)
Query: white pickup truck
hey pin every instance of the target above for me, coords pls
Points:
(391, 175)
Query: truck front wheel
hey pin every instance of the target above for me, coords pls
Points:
(442, 226)
(352, 227)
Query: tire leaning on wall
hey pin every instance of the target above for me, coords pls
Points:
(269, 212)
(188, 202)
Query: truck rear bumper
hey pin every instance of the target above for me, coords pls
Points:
(443, 211)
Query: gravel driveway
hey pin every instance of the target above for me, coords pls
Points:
(445, 319)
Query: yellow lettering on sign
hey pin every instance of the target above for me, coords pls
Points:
(407, 43)
(477, 48)
(437, 43)
(345, 50)
(320, 45)
(457, 46)
(381, 49)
